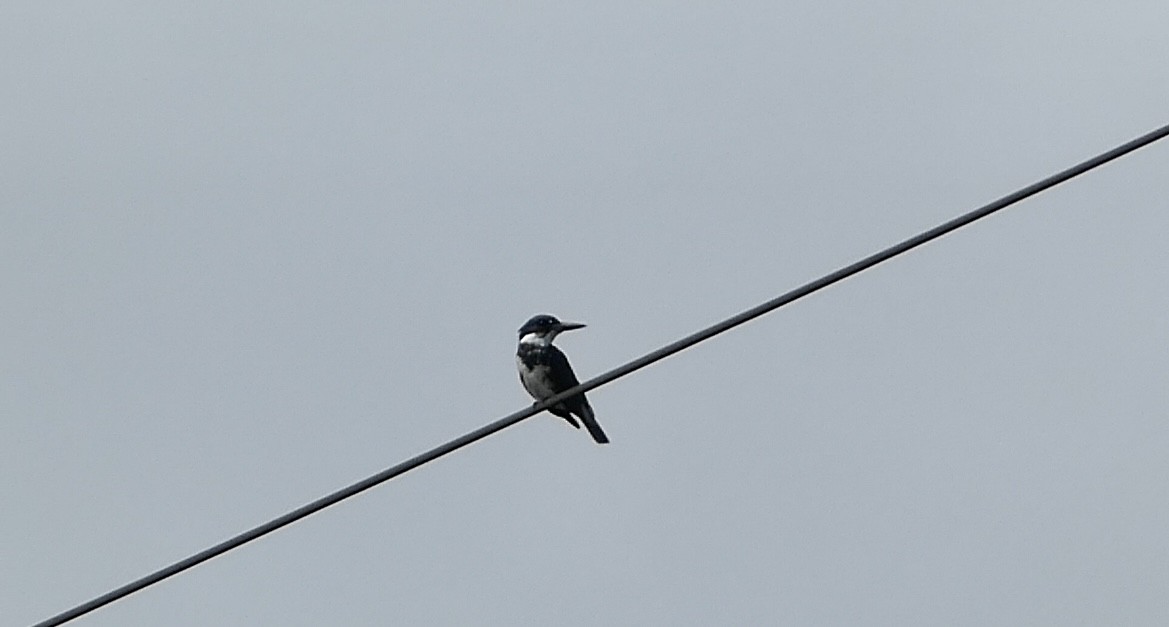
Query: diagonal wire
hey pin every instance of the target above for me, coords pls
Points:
(616, 373)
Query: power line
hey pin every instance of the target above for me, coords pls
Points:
(602, 379)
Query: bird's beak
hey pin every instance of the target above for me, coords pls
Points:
(569, 326)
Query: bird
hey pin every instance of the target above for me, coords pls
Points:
(544, 372)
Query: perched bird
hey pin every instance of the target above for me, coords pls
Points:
(544, 371)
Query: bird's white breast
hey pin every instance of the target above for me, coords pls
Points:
(535, 380)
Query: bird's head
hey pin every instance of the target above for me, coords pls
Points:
(543, 328)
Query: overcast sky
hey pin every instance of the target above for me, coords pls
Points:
(251, 253)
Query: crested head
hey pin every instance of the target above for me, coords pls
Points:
(542, 329)
(540, 324)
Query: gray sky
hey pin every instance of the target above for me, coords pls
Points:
(251, 253)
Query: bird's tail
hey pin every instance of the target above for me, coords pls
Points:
(590, 423)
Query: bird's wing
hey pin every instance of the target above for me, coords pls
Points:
(560, 371)
(563, 378)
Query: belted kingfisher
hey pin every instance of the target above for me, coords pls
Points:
(544, 371)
